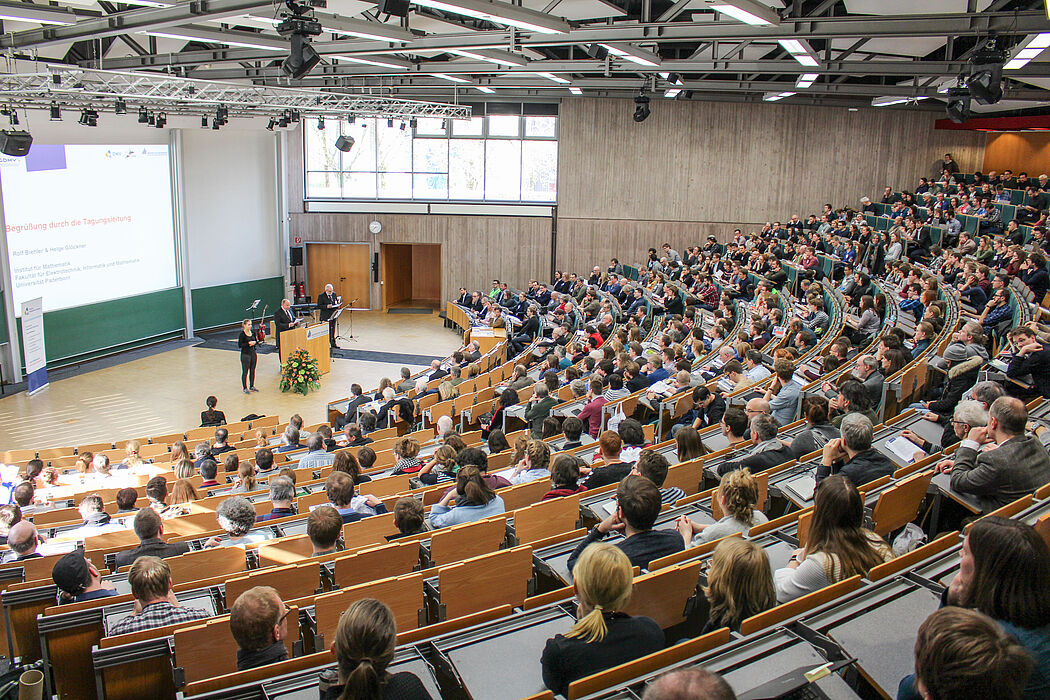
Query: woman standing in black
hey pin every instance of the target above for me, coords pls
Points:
(249, 355)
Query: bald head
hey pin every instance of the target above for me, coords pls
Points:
(23, 538)
(689, 684)
(756, 406)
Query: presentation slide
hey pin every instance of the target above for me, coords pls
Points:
(88, 223)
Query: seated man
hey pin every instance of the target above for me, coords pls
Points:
(79, 580)
(653, 466)
(612, 469)
(236, 515)
(259, 624)
(209, 469)
(1017, 466)
(126, 499)
(572, 429)
(324, 527)
(221, 446)
(767, 452)
(96, 519)
(282, 493)
(538, 408)
(290, 440)
(783, 392)
(317, 455)
(409, 518)
(1030, 359)
(689, 683)
(23, 540)
(637, 505)
(149, 528)
(340, 490)
(155, 601)
(852, 454)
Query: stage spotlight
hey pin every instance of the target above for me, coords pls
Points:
(597, 51)
(271, 124)
(300, 27)
(204, 122)
(344, 143)
(215, 124)
(143, 115)
(162, 119)
(151, 119)
(390, 123)
(412, 122)
(283, 122)
(12, 115)
(352, 119)
(641, 108)
(402, 126)
(958, 104)
(56, 112)
(986, 76)
(88, 117)
(320, 123)
(121, 107)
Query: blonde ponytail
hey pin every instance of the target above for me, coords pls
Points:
(603, 579)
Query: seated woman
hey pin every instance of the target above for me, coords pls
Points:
(1005, 574)
(603, 636)
(497, 442)
(406, 450)
(409, 518)
(364, 646)
(838, 545)
(739, 584)
(472, 498)
(535, 465)
(441, 467)
(345, 461)
(818, 431)
(737, 494)
(211, 416)
(236, 515)
(565, 475)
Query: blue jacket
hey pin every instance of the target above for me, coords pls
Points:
(443, 516)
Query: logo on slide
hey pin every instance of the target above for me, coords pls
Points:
(46, 157)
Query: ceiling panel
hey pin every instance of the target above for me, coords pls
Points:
(911, 46)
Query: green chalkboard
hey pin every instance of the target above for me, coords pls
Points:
(225, 303)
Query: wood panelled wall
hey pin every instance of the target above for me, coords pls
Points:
(1027, 151)
(474, 249)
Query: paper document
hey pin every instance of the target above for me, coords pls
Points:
(904, 448)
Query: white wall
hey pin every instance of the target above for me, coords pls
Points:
(230, 182)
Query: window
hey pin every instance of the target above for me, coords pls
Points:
(496, 157)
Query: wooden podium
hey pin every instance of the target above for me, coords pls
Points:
(313, 339)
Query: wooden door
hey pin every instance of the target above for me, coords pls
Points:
(396, 262)
(346, 266)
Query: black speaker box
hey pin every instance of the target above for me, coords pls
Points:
(344, 143)
(295, 255)
(15, 143)
(398, 8)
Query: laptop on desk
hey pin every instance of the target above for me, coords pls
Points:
(795, 685)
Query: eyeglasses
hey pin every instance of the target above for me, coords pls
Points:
(287, 611)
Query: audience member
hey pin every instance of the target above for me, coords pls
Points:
(22, 541)
(259, 625)
(282, 495)
(236, 515)
(472, 499)
(409, 518)
(317, 455)
(79, 580)
(613, 468)
(852, 455)
(340, 490)
(689, 684)
(149, 528)
(324, 527)
(565, 476)
(155, 601)
(768, 451)
(739, 584)
(737, 497)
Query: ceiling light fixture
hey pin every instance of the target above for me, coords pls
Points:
(501, 58)
(486, 90)
(56, 112)
(774, 96)
(633, 54)
(805, 80)
(891, 100)
(641, 108)
(801, 51)
(576, 91)
(244, 40)
(555, 78)
(382, 62)
(750, 12)
(958, 109)
(501, 13)
(450, 78)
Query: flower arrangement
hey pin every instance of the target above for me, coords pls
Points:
(300, 373)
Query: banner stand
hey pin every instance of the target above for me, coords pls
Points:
(33, 344)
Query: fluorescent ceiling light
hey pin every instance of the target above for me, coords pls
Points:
(1030, 50)
(382, 61)
(230, 38)
(633, 54)
(747, 11)
(806, 79)
(502, 58)
(576, 91)
(774, 96)
(501, 13)
(450, 78)
(555, 78)
(889, 101)
(25, 12)
(673, 92)
(800, 51)
(484, 89)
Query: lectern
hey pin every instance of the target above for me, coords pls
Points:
(313, 339)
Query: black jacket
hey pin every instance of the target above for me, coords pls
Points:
(566, 659)
(758, 463)
(640, 548)
(1036, 364)
(154, 547)
(262, 657)
(609, 474)
(399, 686)
(960, 378)
(866, 466)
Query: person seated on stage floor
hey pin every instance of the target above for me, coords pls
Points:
(767, 452)
(364, 646)
(125, 498)
(653, 466)
(1016, 467)
(22, 541)
(209, 471)
(96, 519)
(316, 456)
(738, 495)
(406, 382)
(282, 496)
(962, 653)
(259, 625)
(340, 490)
(155, 601)
(79, 580)
(324, 527)
(852, 454)
(9, 515)
(212, 417)
(1004, 573)
(613, 469)
(221, 446)
(290, 440)
(838, 546)
(149, 528)
(236, 515)
(691, 683)
(474, 500)
(603, 635)
(409, 518)
(637, 506)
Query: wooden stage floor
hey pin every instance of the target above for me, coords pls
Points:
(165, 393)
